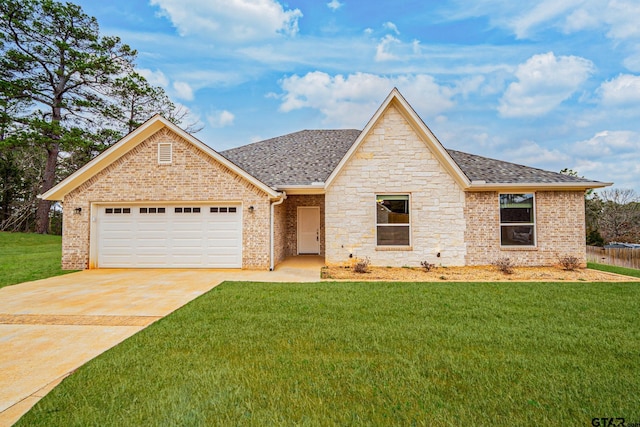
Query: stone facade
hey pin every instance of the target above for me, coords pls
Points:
(393, 159)
(560, 229)
(193, 176)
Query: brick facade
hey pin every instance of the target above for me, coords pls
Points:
(192, 176)
(560, 229)
(393, 159)
(280, 233)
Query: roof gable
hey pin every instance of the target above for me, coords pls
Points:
(129, 142)
(396, 100)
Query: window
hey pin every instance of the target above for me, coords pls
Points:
(392, 220)
(164, 153)
(117, 210)
(517, 221)
(152, 210)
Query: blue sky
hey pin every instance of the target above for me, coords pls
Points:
(551, 84)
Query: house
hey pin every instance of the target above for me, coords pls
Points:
(391, 192)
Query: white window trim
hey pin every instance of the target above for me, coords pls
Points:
(375, 221)
(161, 160)
(509, 224)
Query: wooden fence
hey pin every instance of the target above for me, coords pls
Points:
(622, 257)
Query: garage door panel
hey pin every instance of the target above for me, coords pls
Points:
(144, 237)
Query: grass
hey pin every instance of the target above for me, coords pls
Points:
(26, 256)
(614, 269)
(372, 354)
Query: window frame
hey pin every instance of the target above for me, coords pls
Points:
(409, 224)
(532, 224)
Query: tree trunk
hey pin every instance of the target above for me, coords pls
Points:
(44, 206)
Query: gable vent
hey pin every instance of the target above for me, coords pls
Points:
(164, 153)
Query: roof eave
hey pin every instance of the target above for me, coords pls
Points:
(536, 186)
(301, 190)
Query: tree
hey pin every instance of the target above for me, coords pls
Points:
(134, 100)
(619, 219)
(54, 58)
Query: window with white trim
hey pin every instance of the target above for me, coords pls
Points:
(393, 227)
(517, 219)
(165, 153)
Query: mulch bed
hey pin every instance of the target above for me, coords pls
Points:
(474, 274)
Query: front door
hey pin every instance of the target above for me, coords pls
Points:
(309, 230)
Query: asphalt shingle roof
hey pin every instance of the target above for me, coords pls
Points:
(492, 171)
(309, 156)
(299, 158)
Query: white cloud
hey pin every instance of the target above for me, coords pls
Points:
(219, 119)
(351, 100)
(622, 90)
(542, 12)
(617, 18)
(183, 91)
(230, 20)
(610, 156)
(544, 81)
(383, 50)
(391, 26)
(607, 143)
(155, 78)
(622, 18)
(334, 5)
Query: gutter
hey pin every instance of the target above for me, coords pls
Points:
(533, 186)
(272, 228)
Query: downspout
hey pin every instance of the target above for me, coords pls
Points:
(278, 202)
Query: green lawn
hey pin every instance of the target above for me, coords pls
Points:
(372, 354)
(614, 269)
(26, 256)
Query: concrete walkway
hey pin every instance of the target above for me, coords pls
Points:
(51, 327)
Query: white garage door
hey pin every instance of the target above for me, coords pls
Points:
(169, 236)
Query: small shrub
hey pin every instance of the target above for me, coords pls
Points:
(427, 266)
(569, 263)
(504, 265)
(361, 265)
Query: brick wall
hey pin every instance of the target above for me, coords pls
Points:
(280, 235)
(394, 160)
(560, 229)
(192, 176)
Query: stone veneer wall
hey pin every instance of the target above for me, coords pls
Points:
(394, 160)
(560, 229)
(192, 176)
(292, 203)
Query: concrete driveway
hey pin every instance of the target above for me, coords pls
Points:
(50, 327)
